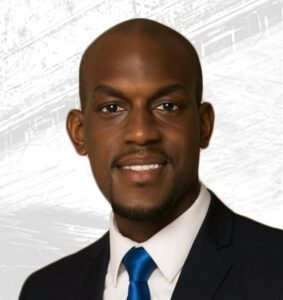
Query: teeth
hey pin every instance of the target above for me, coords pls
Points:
(142, 168)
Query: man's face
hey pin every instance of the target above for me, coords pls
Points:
(141, 125)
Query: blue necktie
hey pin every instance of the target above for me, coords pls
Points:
(139, 265)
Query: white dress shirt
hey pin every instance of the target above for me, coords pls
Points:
(169, 249)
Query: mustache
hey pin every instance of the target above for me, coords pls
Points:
(140, 151)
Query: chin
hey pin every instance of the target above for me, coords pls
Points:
(142, 213)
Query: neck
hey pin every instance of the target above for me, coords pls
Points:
(140, 231)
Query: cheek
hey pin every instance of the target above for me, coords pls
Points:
(183, 145)
(101, 149)
(99, 165)
(186, 135)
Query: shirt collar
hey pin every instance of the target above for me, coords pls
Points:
(182, 231)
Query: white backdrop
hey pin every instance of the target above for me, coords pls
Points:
(50, 205)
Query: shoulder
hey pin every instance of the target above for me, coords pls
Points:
(257, 237)
(66, 265)
(254, 251)
(243, 230)
(64, 272)
(244, 239)
(252, 245)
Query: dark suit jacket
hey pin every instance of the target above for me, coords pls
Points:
(232, 258)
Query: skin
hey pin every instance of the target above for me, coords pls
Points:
(141, 108)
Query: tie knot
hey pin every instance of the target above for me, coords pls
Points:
(139, 264)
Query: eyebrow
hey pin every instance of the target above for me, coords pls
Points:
(109, 90)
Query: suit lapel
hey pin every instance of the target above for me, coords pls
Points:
(205, 267)
(202, 273)
(91, 284)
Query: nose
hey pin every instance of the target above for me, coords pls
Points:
(141, 128)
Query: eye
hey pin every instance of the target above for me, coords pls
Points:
(111, 108)
(168, 106)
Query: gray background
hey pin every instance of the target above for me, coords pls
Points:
(49, 203)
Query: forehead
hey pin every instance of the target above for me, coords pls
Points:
(140, 59)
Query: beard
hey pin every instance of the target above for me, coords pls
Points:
(143, 213)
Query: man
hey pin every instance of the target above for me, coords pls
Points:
(142, 125)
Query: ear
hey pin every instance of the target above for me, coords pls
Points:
(206, 123)
(75, 130)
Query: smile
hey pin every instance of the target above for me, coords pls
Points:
(142, 167)
(141, 174)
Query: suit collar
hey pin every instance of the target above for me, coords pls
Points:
(177, 232)
(202, 273)
(205, 266)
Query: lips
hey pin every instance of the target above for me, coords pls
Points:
(141, 169)
(146, 162)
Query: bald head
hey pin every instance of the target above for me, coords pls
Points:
(140, 37)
